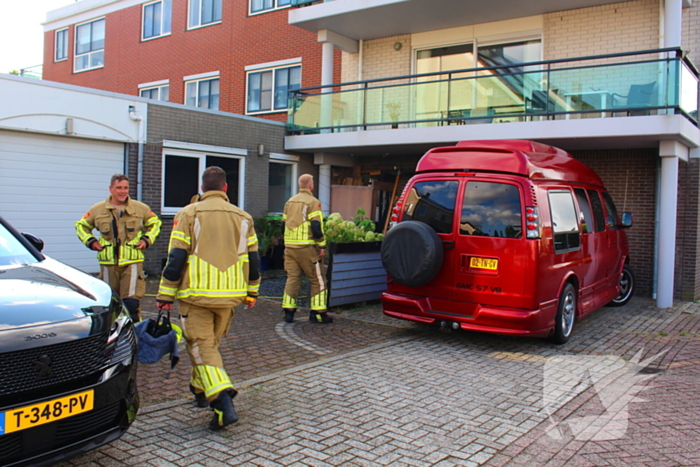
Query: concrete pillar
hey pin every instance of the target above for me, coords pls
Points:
(673, 23)
(670, 152)
(324, 188)
(327, 49)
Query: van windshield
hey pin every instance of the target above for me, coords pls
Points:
(492, 210)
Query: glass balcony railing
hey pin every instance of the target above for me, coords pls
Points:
(656, 82)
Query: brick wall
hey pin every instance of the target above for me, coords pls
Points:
(239, 40)
(630, 177)
(210, 128)
(605, 29)
(687, 277)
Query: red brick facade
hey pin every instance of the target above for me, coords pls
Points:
(228, 47)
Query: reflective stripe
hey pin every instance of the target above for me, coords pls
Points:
(206, 280)
(288, 301)
(318, 301)
(213, 379)
(181, 236)
(133, 276)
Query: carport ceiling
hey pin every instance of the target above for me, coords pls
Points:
(386, 18)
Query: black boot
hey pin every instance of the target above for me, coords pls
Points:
(199, 398)
(224, 413)
(289, 314)
(323, 318)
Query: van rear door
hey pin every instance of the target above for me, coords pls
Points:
(495, 264)
(432, 200)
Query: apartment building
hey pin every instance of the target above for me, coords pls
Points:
(237, 56)
(611, 82)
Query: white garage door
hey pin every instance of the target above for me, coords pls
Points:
(47, 183)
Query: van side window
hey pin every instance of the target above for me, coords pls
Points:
(491, 210)
(611, 220)
(598, 214)
(432, 202)
(585, 206)
(564, 221)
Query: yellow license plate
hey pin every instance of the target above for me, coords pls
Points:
(46, 412)
(484, 263)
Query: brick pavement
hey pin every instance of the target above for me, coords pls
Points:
(370, 390)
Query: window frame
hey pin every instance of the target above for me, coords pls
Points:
(198, 79)
(66, 42)
(199, 24)
(276, 7)
(274, 67)
(76, 55)
(169, 13)
(201, 152)
(286, 159)
(568, 234)
(159, 85)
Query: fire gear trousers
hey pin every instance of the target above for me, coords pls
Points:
(305, 260)
(203, 329)
(128, 281)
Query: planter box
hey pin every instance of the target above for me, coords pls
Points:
(355, 273)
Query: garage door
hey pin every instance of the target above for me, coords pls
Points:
(47, 183)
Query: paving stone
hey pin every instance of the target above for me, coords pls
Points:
(388, 392)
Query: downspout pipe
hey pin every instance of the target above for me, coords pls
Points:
(139, 164)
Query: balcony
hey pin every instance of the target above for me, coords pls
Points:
(656, 82)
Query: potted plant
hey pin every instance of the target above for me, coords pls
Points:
(269, 231)
(394, 109)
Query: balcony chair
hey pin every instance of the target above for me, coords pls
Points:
(639, 95)
(462, 116)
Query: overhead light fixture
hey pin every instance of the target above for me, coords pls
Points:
(398, 46)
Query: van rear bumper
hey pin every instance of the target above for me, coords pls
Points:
(471, 316)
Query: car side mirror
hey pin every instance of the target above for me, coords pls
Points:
(626, 219)
(35, 241)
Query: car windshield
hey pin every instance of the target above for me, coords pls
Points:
(12, 252)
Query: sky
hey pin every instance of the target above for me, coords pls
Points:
(21, 32)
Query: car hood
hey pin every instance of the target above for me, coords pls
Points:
(48, 303)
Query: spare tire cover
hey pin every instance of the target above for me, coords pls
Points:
(412, 253)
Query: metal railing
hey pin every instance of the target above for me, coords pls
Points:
(661, 81)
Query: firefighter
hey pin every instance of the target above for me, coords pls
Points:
(127, 227)
(213, 265)
(304, 248)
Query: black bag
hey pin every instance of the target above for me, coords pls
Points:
(157, 338)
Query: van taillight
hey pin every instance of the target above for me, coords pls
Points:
(395, 213)
(532, 222)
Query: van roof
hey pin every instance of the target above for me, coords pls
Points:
(527, 158)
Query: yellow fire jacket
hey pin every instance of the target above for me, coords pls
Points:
(208, 262)
(119, 234)
(299, 211)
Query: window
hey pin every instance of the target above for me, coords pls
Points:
(61, 45)
(90, 45)
(432, 202)
(156, 19)
(203, 93)
(262, 5)
(611, 220)
(204, 12)
(182, 175)
(491, 210)
(585, 206)
(598, 214)
(565, 224)
(282, 181)
(158, 93)
(268, 90)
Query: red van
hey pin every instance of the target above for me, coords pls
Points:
(506, 237)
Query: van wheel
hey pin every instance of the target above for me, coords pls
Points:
(412, 253)
(566, 315)
(626, 287)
